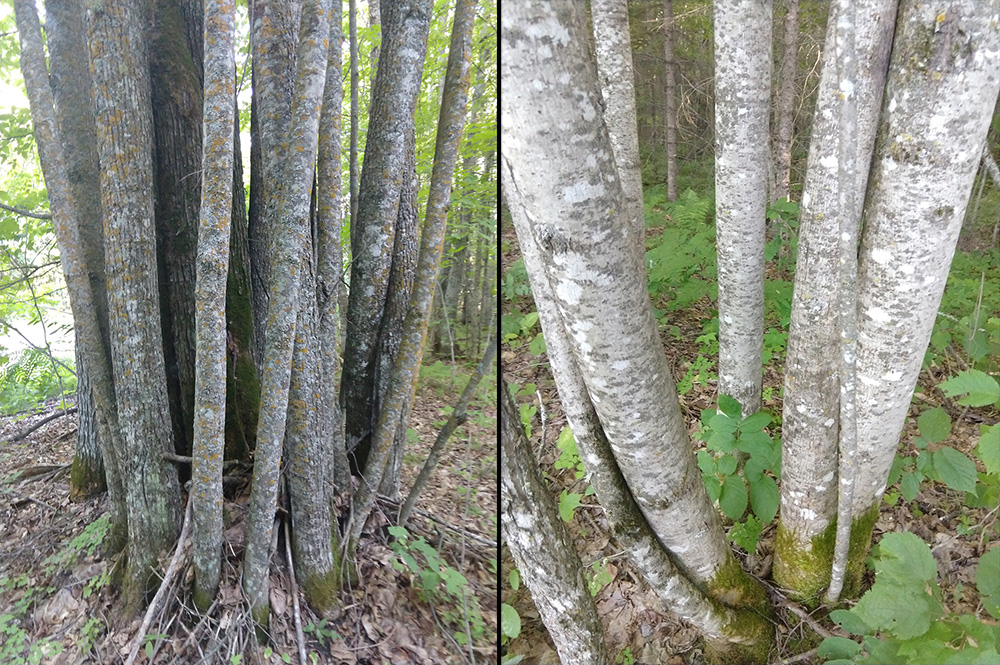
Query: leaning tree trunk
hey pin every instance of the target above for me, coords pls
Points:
(742, 105)
(290, 243)
(125, 134)
(403, 376)
(69, 233)
(940, 99)
(810, 430)
(374, 230)
(208, 442)
(786, 102)
(587, 259)
(543, 548)
(74, 112)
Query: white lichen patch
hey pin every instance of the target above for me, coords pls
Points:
(878, 315)
(582, 191)
(829, 422)
(881, 256)
(892, 376)
(620, 365)
(569, 291)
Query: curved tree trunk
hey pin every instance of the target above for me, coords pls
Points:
(588, 260)
(742, 106)
(810, 416)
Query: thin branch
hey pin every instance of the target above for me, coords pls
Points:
(299, 637)
(26, 213)
(31, 428)
(167, 579)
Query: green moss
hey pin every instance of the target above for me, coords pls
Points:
(805, 574)
(321, 590)
(750, 628)
(86, 480)
(203, 599)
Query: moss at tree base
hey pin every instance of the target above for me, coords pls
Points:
(749, 633)
(86, 480)
(804, 574)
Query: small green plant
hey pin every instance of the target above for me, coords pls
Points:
(784, 222)
(600, 578)
(625, 657)
(681, 265)
(149, 642)
(726, 434)
(901, 619)
(516, 326)
(569, 458)
(321, 632)
(90, 632)
(515, 282)
(435, 576)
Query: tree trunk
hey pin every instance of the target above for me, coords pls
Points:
(208, 442)
(330, 260)
(938, 98)
(275, 25)
(670, 92)
(124, 131)
(742, 105)
(786, 103)
(402, 379)
(614, 66)
(354, 170)
(374, 231)
(810, 428)
(74, 113)
(543, 548)
(589, 260)
(86, 478)
(292, 208)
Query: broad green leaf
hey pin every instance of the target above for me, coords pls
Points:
(727, 465)
(764, 498)
(720, 422)
(733, 499)
(745, 534)
(753, 469)
(904, 558)
(510, 621)
(838, 647)
(721, 441)
(988, 449)
(934, 424)
(756, 422)
(758, 449)
(537, 346)
(529, 321)
(988, 573)
(850, 622)
(515, 579)
(706, 462)
(713, 487)
(729, 406)
(955, 470)
(568, 502)
(904, 611)
(909, 486)
(979, 387)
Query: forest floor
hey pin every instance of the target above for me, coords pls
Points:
(56, 606)
(639, 630)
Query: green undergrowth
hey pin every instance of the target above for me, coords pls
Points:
(902, 619)
(30, 376)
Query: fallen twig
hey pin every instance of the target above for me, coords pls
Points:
(299, 637)
(167, 578)
(31, 428)
(451, 527)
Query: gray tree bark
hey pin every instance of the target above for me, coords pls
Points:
(670, 92)
(742, 105)
(124, 130)
(811, 412)
(208, 443)
(785, 111)
(543, 550)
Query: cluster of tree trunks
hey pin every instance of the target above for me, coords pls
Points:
(565, 179)
(210, 331)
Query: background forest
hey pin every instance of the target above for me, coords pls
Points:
(929, 592)
(248, 411)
